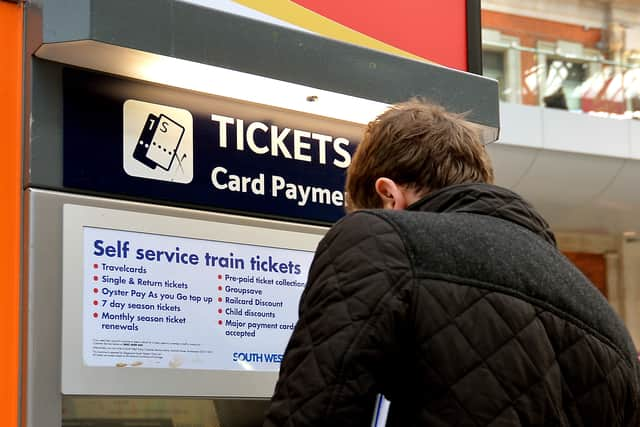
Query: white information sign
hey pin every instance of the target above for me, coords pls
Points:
(157, 301)
(163, 301)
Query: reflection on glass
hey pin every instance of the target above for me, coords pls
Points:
(532, 77)
(580, 80)
(564, 80)
(161, 412)
(158, 412)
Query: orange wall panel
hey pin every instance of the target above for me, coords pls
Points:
(11, 38)
(594, 266)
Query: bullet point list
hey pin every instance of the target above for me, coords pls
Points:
(95, 315)
(219, 288)
(95, 278)
(219, 322)
(219, 299)
(220, 310)
(95, 290)
(95, 302)
(219, 276)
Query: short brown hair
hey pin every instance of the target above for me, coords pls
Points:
(420, 145)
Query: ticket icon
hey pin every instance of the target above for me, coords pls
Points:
(159, 142)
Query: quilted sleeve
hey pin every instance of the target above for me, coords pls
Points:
(349, 337)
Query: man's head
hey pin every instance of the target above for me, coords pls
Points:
(410, 150)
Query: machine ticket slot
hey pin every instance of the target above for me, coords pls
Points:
(159, 301)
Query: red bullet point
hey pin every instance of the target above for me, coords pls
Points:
(95, 278)
(219, 322)
(95, 302)
(95, 290)
(219, 276)
(220, 310)
(95, 315)
(219, 299)
(219, 288)
(95, 265)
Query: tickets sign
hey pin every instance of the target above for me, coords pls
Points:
(154, 143)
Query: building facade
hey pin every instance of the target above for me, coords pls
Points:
(564, 67)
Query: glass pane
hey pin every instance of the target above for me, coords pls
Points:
(493, 67)
(161, 412)
(632, 87)
(105, 411)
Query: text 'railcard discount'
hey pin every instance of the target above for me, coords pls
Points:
(154, 301)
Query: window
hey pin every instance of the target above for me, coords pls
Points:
(632, 85)
(493, 67)
(502, 62)
(565, 79)
(570, 77)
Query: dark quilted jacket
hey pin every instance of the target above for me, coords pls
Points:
(461, 311)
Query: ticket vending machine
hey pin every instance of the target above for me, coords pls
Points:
(182, 165)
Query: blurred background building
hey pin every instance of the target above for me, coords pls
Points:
(569, 77)
(569, 84)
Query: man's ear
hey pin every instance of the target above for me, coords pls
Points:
(390, 194)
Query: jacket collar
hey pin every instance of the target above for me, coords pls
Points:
(485, 199)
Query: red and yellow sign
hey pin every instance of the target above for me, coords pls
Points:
(431, 30)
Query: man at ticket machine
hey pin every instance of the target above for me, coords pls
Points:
(447, 295)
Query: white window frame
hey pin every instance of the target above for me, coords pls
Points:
(495, 41)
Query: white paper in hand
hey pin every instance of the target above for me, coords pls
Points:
(380, 412)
